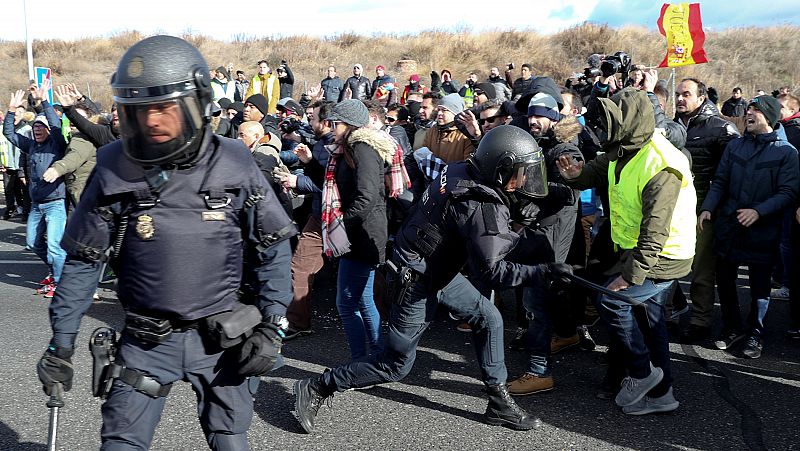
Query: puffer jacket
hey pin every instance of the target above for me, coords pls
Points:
(707, 134)
(758, 172)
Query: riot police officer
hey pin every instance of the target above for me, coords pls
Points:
(462, 218)
(193, 228)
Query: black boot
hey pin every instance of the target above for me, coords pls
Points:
(309, 396)
(503, 411)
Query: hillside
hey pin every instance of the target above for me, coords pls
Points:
(753, 58)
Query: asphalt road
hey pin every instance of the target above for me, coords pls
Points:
(727, 402)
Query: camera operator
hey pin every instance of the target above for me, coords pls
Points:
(293, 131)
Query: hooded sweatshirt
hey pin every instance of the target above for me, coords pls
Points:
(629, 123)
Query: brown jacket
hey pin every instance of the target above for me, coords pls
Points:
(448, 144)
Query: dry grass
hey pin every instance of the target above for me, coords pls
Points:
(753, 58)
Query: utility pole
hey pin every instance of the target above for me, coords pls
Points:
(28, 40)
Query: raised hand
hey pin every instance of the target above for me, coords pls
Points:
(569, 167)
(470, 122)
(65, 95)
(16, 100)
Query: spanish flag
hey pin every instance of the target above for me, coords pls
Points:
(683, 28)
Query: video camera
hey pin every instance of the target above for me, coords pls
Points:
(606, 66)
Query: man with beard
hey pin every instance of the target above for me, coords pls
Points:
(357, 86)
(707, 134)
(426, 117)
(552, 219)
(500, 85)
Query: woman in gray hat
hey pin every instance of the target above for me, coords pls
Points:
(354, 225)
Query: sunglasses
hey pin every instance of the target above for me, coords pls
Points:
(477, 92)
(390, 119)
(491, 119)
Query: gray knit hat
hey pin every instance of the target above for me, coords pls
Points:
(352, 112)
(452, 102)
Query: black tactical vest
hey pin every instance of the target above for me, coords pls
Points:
(183, 251)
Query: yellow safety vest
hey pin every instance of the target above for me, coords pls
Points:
(625, 198)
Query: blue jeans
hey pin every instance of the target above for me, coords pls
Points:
(538, 300)
(409, 318)
(639, 344)
(46, 223)
(356, 304)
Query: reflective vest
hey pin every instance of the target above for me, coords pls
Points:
(625, 198)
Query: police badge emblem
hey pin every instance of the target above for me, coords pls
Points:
(144, 227)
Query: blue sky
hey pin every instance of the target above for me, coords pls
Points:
(73, 19)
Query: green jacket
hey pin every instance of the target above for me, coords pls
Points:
(629, 119)
(77, 164)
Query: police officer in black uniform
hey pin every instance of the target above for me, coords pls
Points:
(462, 218)
(193, 230)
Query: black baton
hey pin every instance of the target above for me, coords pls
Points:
(54, 403)
(600, 289)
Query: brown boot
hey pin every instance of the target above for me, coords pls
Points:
(528, 384)
(558, 344)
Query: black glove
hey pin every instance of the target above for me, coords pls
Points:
(434, 78)
(260, 352)
(557, 272)
(528, 214)
(55, 367)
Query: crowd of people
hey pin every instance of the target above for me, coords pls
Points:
(425, 197)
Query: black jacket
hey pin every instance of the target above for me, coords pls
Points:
(360, 88)
(521, 87)
(287, 83)
(734, 107)
(98, 134)
(707, 134)
(473, 221)
(792, 128)
(758, 172)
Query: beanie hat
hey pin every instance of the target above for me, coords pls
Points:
(769, 106)
(379, 67)
(452, 102)
(224, 103)
(487, 89)
(292, 106)
(238, 106)
(544, 105)
(41, 119)
(352, 112)
(260, 102)
(414, 78)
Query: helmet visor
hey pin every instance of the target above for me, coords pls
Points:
(157, 133)
(529, 177)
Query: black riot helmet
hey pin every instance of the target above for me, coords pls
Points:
(508, 152)
(162, 89)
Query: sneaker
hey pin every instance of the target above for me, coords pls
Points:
(781, 294)
(464, 327)
(108, 276)
(308, 400)
(726, 341)
(586, 341)
(752, 349)
(518, 342)
(558, 344)
(695, 333)
(96, 297)
(632, 389)
(528, 384)
(293, 332)
(46, 289)
(47, 280)
(666, 403)
(51, 293)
